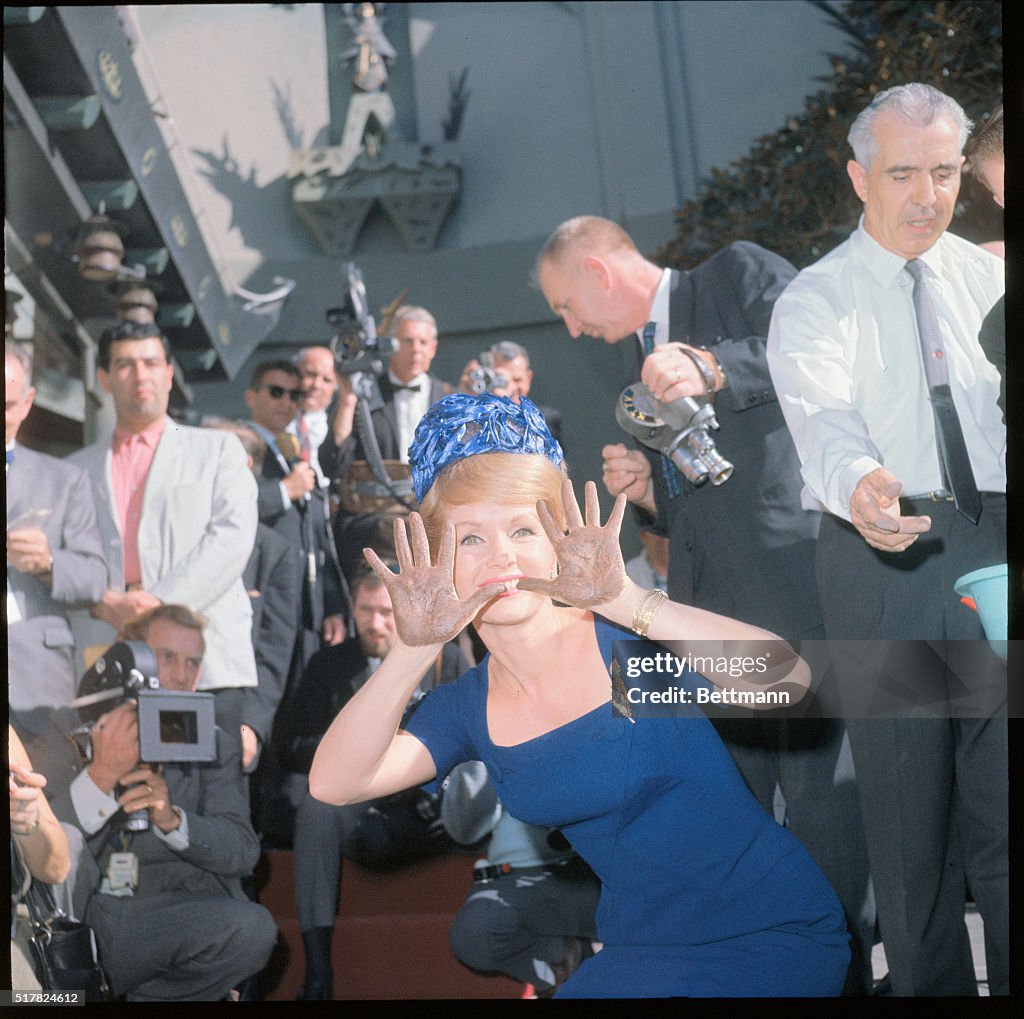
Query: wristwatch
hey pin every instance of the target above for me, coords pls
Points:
(720, 367)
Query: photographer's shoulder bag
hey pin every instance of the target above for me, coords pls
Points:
(64, 950)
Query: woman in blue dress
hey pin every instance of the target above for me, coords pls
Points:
(703, 894)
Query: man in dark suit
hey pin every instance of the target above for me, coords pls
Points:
(294, 506)
(166, 903)
(291, 503)
(273, 579)
(407, 390)
(744, 548)
(378, 833)
(986, 163)
(54, 556)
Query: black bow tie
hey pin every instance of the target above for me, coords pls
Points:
(411, 389)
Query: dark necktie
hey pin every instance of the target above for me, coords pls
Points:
(408, 389)
(956, 462)
(649, 330)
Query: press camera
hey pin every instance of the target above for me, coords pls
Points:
(679, 430)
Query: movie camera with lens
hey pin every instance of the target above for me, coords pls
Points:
(680, 431)
(355, 343)
(174, 725)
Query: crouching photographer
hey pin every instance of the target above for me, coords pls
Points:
(171, 840)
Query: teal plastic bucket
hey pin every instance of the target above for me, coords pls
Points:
(989, 589)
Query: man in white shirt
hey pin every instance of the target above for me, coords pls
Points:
(408, 389)
(319, 384)
(846, 360)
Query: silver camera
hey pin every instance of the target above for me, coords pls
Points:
(679, 430)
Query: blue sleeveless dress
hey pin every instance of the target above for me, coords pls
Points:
(703, 894)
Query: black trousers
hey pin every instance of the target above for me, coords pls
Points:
(925, 703)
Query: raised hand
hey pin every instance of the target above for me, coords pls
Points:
(875, 512)
(427, 608)
(590, 567)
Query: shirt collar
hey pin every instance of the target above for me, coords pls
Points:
(422, 380)
(659, 309)
(149, 436)
(264, 433)
(886, 265)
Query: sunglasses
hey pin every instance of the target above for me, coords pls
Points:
(276, 392)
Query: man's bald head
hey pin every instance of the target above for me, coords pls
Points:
(595, 279)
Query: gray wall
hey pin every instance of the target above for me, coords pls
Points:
(609, 108)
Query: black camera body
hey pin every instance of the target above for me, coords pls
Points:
(355, 343)
(485, 378)
(174, 725)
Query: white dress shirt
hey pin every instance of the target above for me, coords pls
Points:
(316, 432)
(271, 440)
(846, 362)
(409, 408)
(95, 808)
(659, 312)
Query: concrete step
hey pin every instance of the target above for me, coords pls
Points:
(390, 937)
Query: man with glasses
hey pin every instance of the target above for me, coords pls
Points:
(176, 508)
(296, 507)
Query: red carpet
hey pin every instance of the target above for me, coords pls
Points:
(391, 935)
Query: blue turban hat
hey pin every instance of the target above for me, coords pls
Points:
(460, 425)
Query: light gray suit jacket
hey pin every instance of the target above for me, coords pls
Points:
(41, 671)
(196, 534)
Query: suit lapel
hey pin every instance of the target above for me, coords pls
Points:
(389, 415)
(164, 465)
(17, 482)
(103, 467)
(680, 308)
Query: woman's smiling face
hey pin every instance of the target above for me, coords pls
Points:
(499, 542)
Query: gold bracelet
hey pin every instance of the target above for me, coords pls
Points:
(646, 609)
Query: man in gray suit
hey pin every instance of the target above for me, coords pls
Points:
(166, 903)
(177, 512)
(54, 557)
